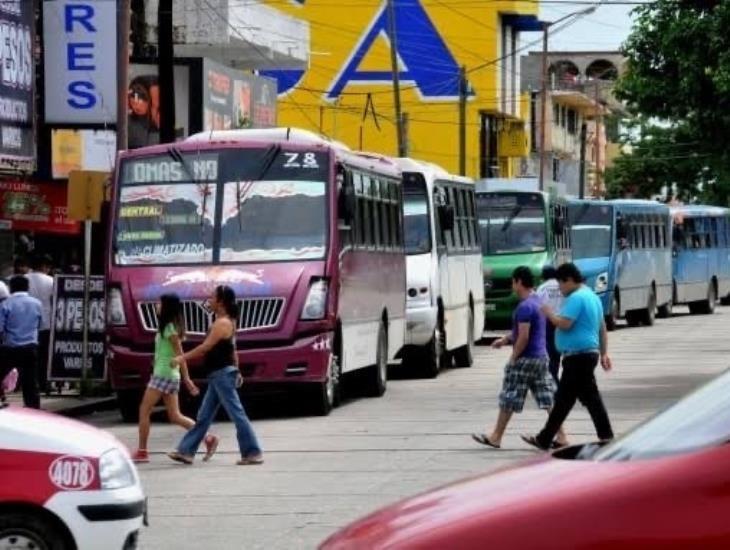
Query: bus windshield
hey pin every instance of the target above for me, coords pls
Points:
(235, 205)
(416, 220)
(591, 230)
(511, 223)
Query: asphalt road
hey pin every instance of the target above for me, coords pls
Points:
(321, 473)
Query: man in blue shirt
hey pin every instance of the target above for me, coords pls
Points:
(527, 368)
(20, 320)
(582, 339)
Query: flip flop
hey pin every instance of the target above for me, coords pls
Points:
(483, 439)
(251, 461)
(532, 441)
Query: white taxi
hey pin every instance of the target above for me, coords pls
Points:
(65, 485)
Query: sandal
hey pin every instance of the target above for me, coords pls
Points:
(251, 460)
(211, 446)
(532, 441)
(484, 440)
(181, 458)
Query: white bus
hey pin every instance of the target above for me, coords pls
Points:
(445, 290)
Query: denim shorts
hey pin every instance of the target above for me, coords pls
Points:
(527, 373)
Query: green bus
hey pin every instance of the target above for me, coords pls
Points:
(518, 227)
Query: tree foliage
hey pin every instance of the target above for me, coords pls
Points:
(678, 72)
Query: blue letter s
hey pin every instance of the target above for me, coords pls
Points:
(82, 94)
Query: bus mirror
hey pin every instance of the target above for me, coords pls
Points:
(446, 217)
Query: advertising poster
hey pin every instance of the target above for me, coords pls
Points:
(82, 150)
(143, 103)
(36, 207)
(234, 100)
(66, 357)
(17, 131)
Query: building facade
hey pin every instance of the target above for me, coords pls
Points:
(346, 92)
(582, 114)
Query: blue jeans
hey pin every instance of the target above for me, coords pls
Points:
(221, 391)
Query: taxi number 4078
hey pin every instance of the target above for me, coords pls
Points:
(71, 473)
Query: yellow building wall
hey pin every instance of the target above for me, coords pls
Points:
(363, 114)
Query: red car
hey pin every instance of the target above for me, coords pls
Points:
(666, 484)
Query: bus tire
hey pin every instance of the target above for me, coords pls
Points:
(648, 315)
(725, 301)
(27, 530)
(128, 403)
(429, 364)
(377, 375)
(706, 307)
(665, 310)
(634, 318)
(328, 393)
(612, 317)
(464, 356)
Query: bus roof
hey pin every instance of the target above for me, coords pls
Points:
(268, 135)
(430, 170)
(697, 210)
(636, 203)
(297, 138)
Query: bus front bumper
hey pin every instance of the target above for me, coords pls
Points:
(304, 360)
(420, 324)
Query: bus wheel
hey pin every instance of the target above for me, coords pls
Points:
(665, 310)
(612, 317)
(464, 356)
(725, 301)
(707, 307)
(429, 360)
(128, 402)
(377, 375)
(328, 393)
(649, 314)
(634, 318)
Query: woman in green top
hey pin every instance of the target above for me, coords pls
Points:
(165, 380)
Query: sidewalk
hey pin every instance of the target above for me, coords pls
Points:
(68, 403)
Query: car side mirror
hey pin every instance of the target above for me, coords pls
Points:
(446, 217)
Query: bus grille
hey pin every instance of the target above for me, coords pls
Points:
(254, 313)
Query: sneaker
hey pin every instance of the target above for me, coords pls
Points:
(179, 457)
(211, 446)
(141, 456)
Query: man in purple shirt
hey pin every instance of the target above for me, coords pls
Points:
(527, 368)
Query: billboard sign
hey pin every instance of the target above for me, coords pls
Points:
(32, 206)
(17, 135)
(80, 67)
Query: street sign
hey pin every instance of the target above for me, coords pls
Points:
(86, 194)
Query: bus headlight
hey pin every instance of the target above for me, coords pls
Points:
(115, 470)
(316, 302)
(115, 308)
(601, 283)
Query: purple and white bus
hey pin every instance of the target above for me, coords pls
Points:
(307, 233)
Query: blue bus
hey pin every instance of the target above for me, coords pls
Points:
(623, 248)
(701, 266)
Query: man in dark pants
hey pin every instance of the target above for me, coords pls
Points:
(582, 339)
(20, 320)
(41, 287)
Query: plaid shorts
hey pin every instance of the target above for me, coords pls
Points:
(527, 373)
(168, 386)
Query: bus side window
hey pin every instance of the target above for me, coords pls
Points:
(384, 206)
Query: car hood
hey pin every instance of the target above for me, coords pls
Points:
(37, 431)
(483, 503)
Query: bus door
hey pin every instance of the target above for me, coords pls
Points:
(443, 216)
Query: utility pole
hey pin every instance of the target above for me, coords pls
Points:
(396, 78)
(166, 71)
(404, 127)
(463, 94)
(543, 104)
(123, 26)
(598, 121)
(582, 164)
